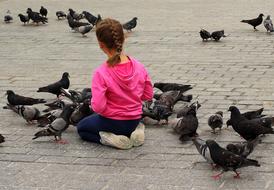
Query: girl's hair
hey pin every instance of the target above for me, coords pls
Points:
(110, 32)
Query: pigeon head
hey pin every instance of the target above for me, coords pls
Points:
(219, 113)
(268, 17)
(65, 75)
(135, 18)
(29, 10)
(233, 109)
(261, 15)
(231, 148)
(9, 92)
(158, 85)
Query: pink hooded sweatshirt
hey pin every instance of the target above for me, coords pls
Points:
(118, 92)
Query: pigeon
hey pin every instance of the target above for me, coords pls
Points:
(255, 22)
(216, 121)
(268, 24)
(172, 86)
(58, 104)
(43, 11)
(58, 126)
(74, 15)
(29, 113)
(75, 24)
(99, 19)
(183, 111)
(24, 18)
(60, 14)
(48, 117)
(15, 99)
(186, 125)
(55, 88)
(205, 35)
(159, 111)
(250, 129)
(203, 149)
(250, 115)
(84, 29)
(217, 35)
(8, 19)
(128, 26)
(245, 148)
(90, 18)
(81, 112)
(77, 96)
(227, 160)
(2, 138)
(36, 17)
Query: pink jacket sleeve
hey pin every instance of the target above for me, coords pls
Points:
(148, 90)
(98, 88)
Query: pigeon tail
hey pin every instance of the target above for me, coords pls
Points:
(245, 21)
(250, 162)
(45, 132)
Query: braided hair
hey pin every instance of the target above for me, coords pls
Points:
(110, 32)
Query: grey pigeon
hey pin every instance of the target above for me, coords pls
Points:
(77, 96)
(217, 35)
(73, 24)
(216, 121)
(58, 104)
(84, 29)
(24, 18)
(2, 138)
(43, 11)
(60, 14)
(8, 19)
(203, 149)
(74, 15)
(244, 148)
(48, 117)
(128, 26)
(15, 99)
(268, 24)
(250, 129)
(29, 113)
(205, 35)
(172, 86)
(187, 124)
(227, 160)
(55, 88)
(255, 22)
(58, 126)
(250, 115)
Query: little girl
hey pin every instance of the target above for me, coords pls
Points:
(119, 86)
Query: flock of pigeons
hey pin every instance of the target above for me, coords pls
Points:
(217, 35)
(71, 106)
(73, 19)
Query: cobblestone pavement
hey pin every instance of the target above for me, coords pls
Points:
(237, 70)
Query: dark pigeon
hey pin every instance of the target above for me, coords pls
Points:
(60, 14)
(128, 26)
(255, 22)
(2, 138)
(43, 11)
(36, 17)
(186, 125)
(245, 148)
(216, 121)
(203, 149)
(58, 126)
(205, 35)
(75, 24)
(90, 17)
(8, 19)
(227, 160)
(99, 19)
(74, 15)
(172, 86)
(77, 96)
(84, 29)
(82, 111)
(15, 99)
(29, 113)
(24, 18)
(183, 111)
(249, 129)
(55, 88)
(250, 115)
(217, 35)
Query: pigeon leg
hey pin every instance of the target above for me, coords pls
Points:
(214, 166)
(214, 132)
(218, 176)
(237, 176)
(61, 141)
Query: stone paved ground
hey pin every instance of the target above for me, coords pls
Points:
(237, 70)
